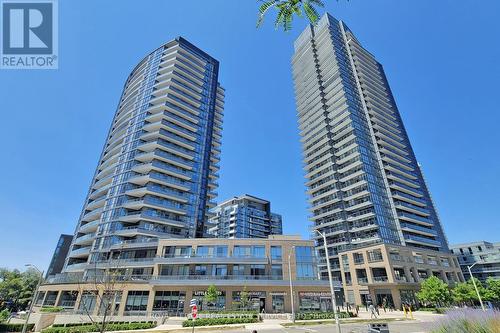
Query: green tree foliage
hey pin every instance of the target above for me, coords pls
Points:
(244, 298)
(434, 291)
(16, 288)
(287, 9)
(493, 287)
(211, 294)
(4, 315)
(463, 293)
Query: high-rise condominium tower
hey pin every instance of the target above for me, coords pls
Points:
(158, 170)
(245, 216)
(365, 186)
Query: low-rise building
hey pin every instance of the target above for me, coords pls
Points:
(245, 216)
(485, 257)
(164, 281)
(392, 274)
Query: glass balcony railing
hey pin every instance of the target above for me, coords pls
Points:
(380, 279)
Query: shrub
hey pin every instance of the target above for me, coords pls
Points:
(4, 315)
(15, 327)
(86, 327)
(322, 315)
(51, 309)
(470, 321)
(218, 321)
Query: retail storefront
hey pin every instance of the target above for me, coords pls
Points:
(315, 301)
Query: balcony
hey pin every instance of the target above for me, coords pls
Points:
(92, 215)
(421, 240)
(411, 208)
(137, 204)
(85, 239)
(80, 253)
(415, 218)
(363, 280)
(152, 217)
(158, 191)
(188, 259)
(136, 243)
(89, 227)
(380, 279)
(418, 229)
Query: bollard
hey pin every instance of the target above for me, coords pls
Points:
(378, 328)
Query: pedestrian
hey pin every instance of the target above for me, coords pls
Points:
(371, 309)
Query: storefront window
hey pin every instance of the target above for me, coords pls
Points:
(203, 305)
(171, 302)
(110, 302)
(39, 298)
(256, 300)
(137, 300)
(278, 303)
(50, 299)
(315, 301)
(87, 302)
(68, 299)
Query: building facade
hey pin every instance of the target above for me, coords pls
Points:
(392, 273)
(183, 269)
(60, 253)
(364, 184)
(157, 174)
(245, 216)
(485, 257)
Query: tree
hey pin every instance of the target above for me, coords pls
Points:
(103, 291)
(244, 298)
(287, 9)
(16, 288)
(211, 295)
(463, 293)
(434, 291)
(493, 288)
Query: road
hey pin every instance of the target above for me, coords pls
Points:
(394, 327)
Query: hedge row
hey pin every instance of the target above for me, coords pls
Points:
(15, 327)
(51, 309)
(109, 322)
(322, 315)
(247, 312)
(218, 321)
(94, 328)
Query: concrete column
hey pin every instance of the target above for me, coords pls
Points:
(58, 297)
(151, 298)
(121, 309)
(408, 274)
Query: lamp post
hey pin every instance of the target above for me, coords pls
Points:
(291, 285)
(475, 286)
(334, 302)
(33, 299)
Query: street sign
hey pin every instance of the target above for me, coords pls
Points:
(194, 311)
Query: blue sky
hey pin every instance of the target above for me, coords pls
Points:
(441, 59)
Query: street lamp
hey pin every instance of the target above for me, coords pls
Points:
(35, 294)
(475, 287)
(334, 302)
(290, 278)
